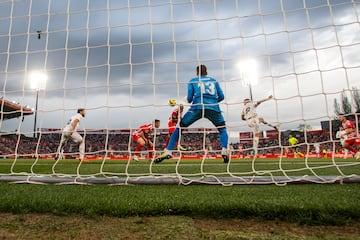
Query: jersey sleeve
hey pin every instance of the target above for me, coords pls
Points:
(190, 92)
(349, 124)
(219, 92)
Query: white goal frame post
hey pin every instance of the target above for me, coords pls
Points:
(123, 60)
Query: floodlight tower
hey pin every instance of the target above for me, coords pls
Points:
(37, 83)
(248, 74)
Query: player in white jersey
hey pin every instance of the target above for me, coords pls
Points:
(70, 131)
(341, 134)
(249, 114)
(317, 149)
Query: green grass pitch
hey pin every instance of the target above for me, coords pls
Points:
(329, 204)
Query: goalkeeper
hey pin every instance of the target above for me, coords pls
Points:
(249, 114)
(204, 93)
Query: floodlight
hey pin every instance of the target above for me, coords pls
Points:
(248, 72)
(38, 81)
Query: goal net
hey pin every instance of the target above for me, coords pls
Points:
(123, 60)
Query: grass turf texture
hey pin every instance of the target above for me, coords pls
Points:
(310, 204)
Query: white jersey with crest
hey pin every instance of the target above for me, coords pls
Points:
(249, 110)
(69, 125)
(342, 135)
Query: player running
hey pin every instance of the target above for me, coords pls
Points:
(350, 136)
(249, 114)
(142, 136)
(173, 121)
(70, 131)
(204, 93)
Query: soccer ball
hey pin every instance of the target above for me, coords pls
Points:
(172, 102)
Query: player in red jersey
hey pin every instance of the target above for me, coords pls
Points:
(142, 136)
(174, 118)
(351, 136)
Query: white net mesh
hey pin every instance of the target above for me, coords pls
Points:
(123, 61)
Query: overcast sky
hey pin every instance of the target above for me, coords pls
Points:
(123, 60)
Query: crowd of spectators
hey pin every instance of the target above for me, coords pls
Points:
(120, 144)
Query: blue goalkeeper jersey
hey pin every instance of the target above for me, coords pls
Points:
(204, 93)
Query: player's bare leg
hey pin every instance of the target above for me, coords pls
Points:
(151, 150)
(254, 125)
(346, 153)
(82, 150)
(60, 151)
(357, 142)
(351, 149)
(295, 154)
(167, 140)
(76, 137)
(256, 144)
(180, 148)
(261, 120)
(141, 142)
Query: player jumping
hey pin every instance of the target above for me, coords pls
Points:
(204, 93)
(249, 114)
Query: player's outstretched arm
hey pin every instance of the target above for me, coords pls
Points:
(266, 99)
(263, 100)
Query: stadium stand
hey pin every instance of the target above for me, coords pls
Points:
(117, 144)
(12, 110)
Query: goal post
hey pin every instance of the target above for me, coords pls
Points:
(123, 61)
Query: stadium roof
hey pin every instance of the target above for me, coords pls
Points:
(9, 110)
